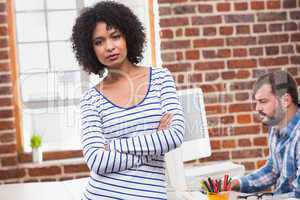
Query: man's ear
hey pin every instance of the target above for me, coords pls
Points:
(286, 100)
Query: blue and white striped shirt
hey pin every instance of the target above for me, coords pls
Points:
(282, 168)
(133, 168)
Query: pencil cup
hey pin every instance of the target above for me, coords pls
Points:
(218, 196)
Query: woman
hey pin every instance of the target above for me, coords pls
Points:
(132, 117)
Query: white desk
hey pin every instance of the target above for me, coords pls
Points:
(36, 191)
(72, 190)
(67, 190)
(195, 196)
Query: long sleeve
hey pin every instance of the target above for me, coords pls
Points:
(160, 141)
(296, 182)
(267, 175)
(260, 179)
(98, 159)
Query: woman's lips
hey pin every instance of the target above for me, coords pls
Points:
(112, 57)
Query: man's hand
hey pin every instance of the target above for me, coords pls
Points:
(235, 185)
(165, 121)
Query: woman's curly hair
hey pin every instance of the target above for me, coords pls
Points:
(115, 15)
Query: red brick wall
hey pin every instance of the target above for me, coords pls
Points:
(223, 46)
(8, 154)
(220, 46)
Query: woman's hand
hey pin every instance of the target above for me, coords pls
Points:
(165, 121)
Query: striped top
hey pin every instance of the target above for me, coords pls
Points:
(133, 167)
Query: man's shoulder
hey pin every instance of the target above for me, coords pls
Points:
(296, 138)
(297, 128)
(297, 132)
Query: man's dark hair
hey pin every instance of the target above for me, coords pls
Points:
(281, 83)
(115, 15)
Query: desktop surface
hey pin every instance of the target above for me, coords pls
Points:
(72, 190)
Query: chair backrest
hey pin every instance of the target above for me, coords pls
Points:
(196, 140)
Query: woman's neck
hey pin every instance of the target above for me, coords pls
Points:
(125, 71)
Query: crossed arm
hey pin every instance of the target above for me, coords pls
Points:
(170, 133)
(98, 159)
(126, 153)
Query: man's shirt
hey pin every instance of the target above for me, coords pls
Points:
(282, 168)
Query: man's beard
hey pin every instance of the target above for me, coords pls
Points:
(272, 120)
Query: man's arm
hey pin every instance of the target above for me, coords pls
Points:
(256, 181)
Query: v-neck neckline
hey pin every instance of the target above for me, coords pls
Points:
(135, 105)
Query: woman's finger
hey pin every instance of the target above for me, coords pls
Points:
(165, 121)
(164, 118)
(169, 121)
(167, 118)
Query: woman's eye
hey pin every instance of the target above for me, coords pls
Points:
(98, 42)
(116, 36)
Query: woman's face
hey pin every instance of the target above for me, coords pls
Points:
(109, 46)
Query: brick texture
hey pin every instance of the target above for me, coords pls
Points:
(231, 44)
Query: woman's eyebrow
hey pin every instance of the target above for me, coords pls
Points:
(98, 38)
(113, 31)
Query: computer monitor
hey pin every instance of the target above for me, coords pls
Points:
(196, 139)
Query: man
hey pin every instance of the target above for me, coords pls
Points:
(277, 106)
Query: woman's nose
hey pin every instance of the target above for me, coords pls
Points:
(110, 45)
